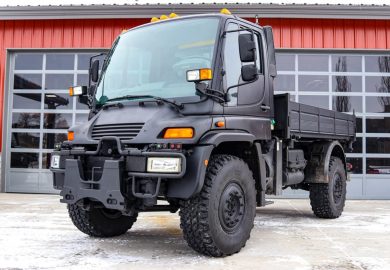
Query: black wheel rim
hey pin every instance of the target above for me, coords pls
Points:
(231, 207)
(337, 188)
(110, 213)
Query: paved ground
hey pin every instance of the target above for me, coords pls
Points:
(35, 232)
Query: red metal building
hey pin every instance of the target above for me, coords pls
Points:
(304, 34)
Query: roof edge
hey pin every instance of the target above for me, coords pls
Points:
(242, 10)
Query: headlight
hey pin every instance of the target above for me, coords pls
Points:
(164, 165)
(55, 162)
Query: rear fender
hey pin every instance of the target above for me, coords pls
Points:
(317, 170)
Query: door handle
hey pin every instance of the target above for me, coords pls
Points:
(265, 107)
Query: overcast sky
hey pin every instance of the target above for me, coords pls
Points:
(120, 2)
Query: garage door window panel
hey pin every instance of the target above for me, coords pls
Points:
(378, 166)
(51, 139)
(346, 63)
(58, 101)
(379, 63)
(378, 124)
(58, 81)
(313, 83)
(378, 84)
(57, 120)
(58, 61)
(26, 120)
(347, 104)
(25, 160)
(28, 61)
(25, 140)
(23, 81)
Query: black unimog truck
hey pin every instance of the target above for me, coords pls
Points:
(184, 111)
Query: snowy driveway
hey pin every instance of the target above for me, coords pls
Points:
(35, 233)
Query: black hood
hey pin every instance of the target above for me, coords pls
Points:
(143, 123)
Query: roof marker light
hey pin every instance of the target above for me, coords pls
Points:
(154, 19)
(173, 15)
(163, 17)
(225, 11)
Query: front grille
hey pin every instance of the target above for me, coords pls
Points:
(122, 131)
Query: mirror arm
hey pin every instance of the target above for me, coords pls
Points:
(241, 84)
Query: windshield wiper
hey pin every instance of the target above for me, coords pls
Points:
(175, 104)
(217, 95)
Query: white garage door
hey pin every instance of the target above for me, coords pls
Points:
(39, 113)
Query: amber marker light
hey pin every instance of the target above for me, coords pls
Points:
(205, 74)
(178, 133)
(225, 11)
(70, 135)
(173, 15)
(220, 124)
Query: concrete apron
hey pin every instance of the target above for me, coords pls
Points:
(37, 233)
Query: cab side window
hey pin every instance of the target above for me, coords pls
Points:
(233, 64)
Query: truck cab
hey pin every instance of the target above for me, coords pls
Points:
(183, 110)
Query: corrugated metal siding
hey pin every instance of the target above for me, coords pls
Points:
(289, 33)
(328, 33)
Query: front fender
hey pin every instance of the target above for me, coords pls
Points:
(192, 181)
(215, 138)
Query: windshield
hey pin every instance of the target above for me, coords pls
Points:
(153, 60)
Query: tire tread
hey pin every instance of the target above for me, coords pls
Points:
(319, 196)
(83, 221)
(194, 212)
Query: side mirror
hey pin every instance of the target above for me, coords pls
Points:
(249, 72)
(94, 71)
(247, 47)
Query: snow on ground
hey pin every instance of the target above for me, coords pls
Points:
(36, 233)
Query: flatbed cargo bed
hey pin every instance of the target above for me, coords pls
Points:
(296, 120)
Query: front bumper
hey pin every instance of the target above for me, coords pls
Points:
(112, 180)
(107, 185)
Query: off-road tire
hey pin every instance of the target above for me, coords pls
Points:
(100, 222)
(209, 219)
(328, 200)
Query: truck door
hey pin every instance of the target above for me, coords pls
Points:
(251, 99)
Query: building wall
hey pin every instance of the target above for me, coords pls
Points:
(99, 33)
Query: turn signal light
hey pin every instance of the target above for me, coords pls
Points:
(178, 133)
(70, 135)
(197, 75)
(220, 124)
